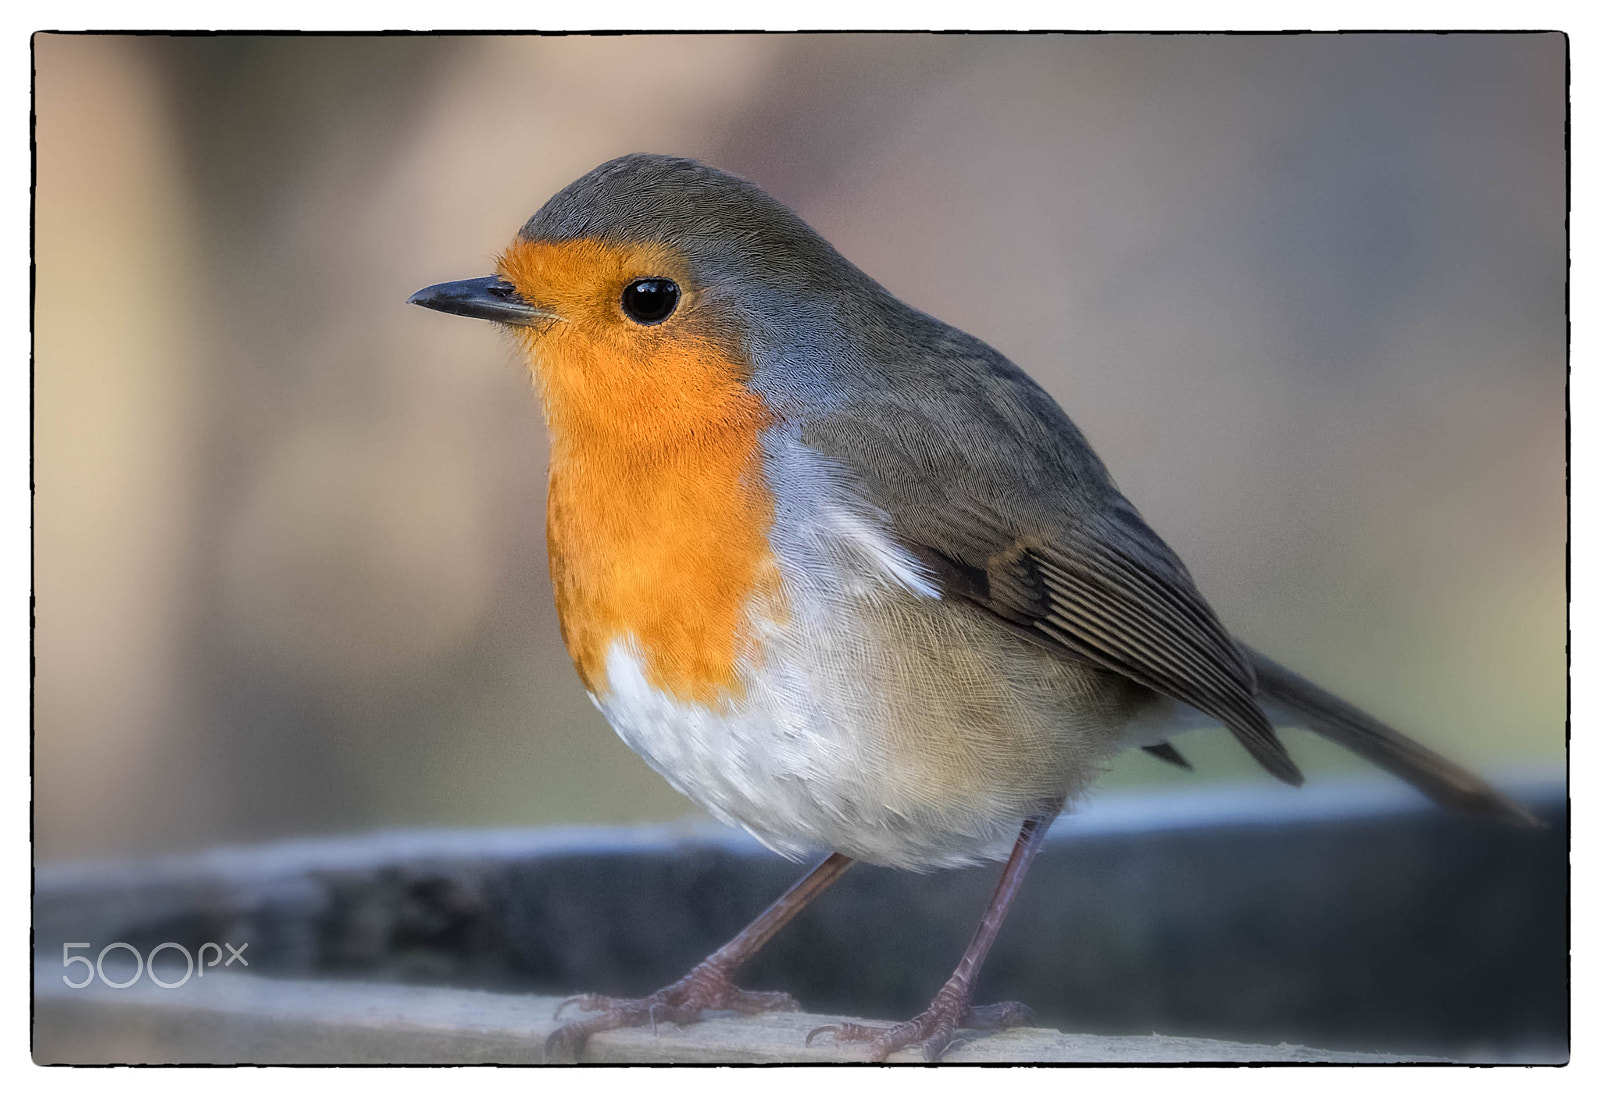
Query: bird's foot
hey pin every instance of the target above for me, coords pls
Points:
(934, 1028)
(706, 987)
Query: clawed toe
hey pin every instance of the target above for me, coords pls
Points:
(588, 1003)
(934, 1029)
(819, 1030)
(845, 1032)
(681, 1003)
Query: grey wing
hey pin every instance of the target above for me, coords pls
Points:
(1102, 597)
(987, 481)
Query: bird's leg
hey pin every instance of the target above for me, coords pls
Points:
(935, 1027)
(709, 985)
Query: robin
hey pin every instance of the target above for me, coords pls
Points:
(844, 575)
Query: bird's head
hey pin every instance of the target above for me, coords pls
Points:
(645, 295)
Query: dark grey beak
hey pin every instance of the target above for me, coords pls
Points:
(488, 298)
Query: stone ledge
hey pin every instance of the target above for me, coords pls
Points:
(1349, 917)
(227, 1018)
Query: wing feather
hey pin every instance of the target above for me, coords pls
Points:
(989, 484)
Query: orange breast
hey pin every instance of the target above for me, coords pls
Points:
(658, 508)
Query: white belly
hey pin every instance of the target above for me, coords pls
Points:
(875, 718)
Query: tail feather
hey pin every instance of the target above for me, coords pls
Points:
(1435, 776)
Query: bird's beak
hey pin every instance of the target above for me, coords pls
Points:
(490, 298)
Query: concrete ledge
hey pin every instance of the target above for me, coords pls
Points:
(250, 1019)
(1352, 917)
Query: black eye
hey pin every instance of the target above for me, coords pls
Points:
(650, 300)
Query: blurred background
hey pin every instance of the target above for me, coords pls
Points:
(1304, 294)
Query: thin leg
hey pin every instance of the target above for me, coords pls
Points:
(710, 984)
(952, 1007)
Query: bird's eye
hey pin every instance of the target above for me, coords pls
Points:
(650, 300)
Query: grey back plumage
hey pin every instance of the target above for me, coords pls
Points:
(986, 479)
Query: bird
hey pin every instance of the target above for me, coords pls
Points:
(844, 575)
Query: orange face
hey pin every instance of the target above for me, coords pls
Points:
(658, 509)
